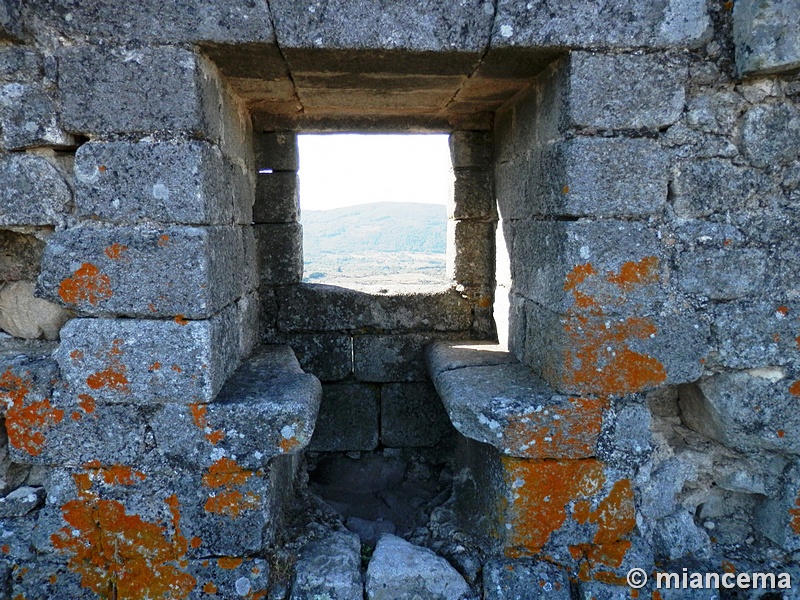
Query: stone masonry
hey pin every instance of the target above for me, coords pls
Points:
(627, 184)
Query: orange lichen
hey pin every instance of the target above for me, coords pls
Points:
(177, 369)
(87, 284)
(115, 474)
(181, 320)
(76, 355)
(26, 422)
(546, 488)
(780, 433)
(119, 555)
(794, 389)
(195, 542)
(199, 416)
(114, 251)
(225, 475)
(288, 444)
(210, 588)
(598, 359)
(794, 513)
(782, 310)
(229, 562)
(163, 240)
(114, 376)
(566, 431)
(156, 366)
(86, 402)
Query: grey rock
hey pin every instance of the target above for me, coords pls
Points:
(29, 118)
(20, 255)
(146, 361)
(702, 188)
(524, 580)
(276, 151)
(715, 112)
(10, 20)
(412, 415)
(369, 532)
(348, 418)
(470, 149)
(328, 356)
(473, 196)
(249, 577)
(402, 571)
(120, 270)
(663, 23)
(659, 492)
(20, 64)
(34, 192)
(171, 182)
(764, 38)
(471, 260)
(24, 316)
(390, 358)
(722, 274)
(21, 501)
(595, 590)
(446, 356)
(280, 253)
(277, 198)
(626, 440)
(329, 568)
(744, 410)
(48, 577)
(771, 134)
(777, 516)
(677, 536)
(625, 91)
(17, 533)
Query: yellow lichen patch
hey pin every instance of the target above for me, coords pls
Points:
(565, 431)
(224, 476)
(114, 474)
(86, 402)
(200, 418)
(210, 588)
(181, 320)
(119, 555)
(794, 513)
(87, 284)
(114, 251)
(542, 490)
(229, 562)
(113, 377)
(598, 358)
(288, 444)
(26, 422)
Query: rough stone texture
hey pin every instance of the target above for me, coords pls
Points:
(121, 270)
(276, 151)
(34, 192)
(328, 356)
(329, 308)
(473, 196)
(29, 118)
(507, 406)
(778, 516)
(229, 577)
(161, 88)
(35, 580)
(472, 259)
(329, 568)
(524, 580)
(280, 253)
(677, 536)
(745, 410)
(447, 356)
(390, 358)
(20, 64)
(412, 415)
(171, 182)
(764, 37)
(146, 361)
(348, 418)
(20, 255)
(10, 20)
(702, 188)
(661, 23)
(771, 134)
(722, 274)
(277, 198)
(24, 316)
(470, 149)
(21, 501)
(625, 91)
(268, 407)
(403, 571)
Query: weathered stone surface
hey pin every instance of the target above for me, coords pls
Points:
(745, 410)
(448, 356)
(412, 415)
(387, 358)
(277, 198)
(702, 188)
(424, 26)
(229, 577)
(402, 571)
(764, 37)
(328, 356)
(473, 196)
(146, 361)
(597, 23)
(20, 64)
(121, 270)
(722, 274)
(771, 134)
(20, 255)
(268, 407)
(471, 260)
(171, 182)
(677, 536)
(33, 191)
(24, 316)
(329, 568)
(29, 118)
(752, 335)
(778, 517)
(45, 578)
(348, 418)
(155, 22)
(329, 308)
(21, 501)
(276, 151)
(626, 442)
(280, 253)
(10, 20)
(624, 91)
(161, 88)
(715, 111)
(470, 149)
(524, 580)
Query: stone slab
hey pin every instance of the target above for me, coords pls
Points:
(765, 40)
(412, 415)
(390, 358)
(229, 577)
(727, 274)
(473, 195)
(20, 255)
(771, 134)
(29, 118)
(148, 361)
(329, 567)
(276, 151)
(524, 580)
(10, 20)
(348, 418)
(280, 253)
(277, 198)
(327, 356)
(705, 187)
(34, 192)
(470, 149)
(471, 260)
(121, 270)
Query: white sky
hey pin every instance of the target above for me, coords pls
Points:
(339, 170)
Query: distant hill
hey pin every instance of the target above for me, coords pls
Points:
(385, 243)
